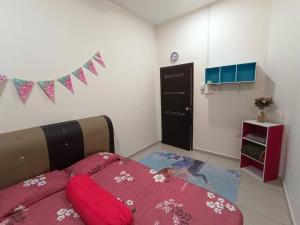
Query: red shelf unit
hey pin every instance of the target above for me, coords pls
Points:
(267, 170)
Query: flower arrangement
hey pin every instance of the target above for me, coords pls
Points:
(262, 103)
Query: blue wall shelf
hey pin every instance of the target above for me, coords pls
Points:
(232, 74)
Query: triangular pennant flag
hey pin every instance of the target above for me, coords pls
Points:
(67, 82)
(80, 75)
(3, 79)
(98, 58)
(24, 88)
(91, 67)
(49, 88)
(3, 82)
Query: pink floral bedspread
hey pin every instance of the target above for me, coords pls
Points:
(154, 198)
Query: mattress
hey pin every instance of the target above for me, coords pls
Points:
(154, 199)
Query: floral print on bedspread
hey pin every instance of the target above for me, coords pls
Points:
(105, 155)
(52, 210)
(30, 191)
(63, 213)
(129, 203)
(158, 198)
(37, 181)
(92, 164)
(123, 177)
(16, 217)
(176, 212)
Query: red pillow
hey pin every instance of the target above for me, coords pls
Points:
(95, 205)
(31, 191)
(92, 164)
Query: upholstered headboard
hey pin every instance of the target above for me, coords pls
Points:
(27, 153)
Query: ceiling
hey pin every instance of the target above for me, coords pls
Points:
(159, 11)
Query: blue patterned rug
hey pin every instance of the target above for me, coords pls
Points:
(214, 178)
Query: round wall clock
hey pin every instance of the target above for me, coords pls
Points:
(174, 57)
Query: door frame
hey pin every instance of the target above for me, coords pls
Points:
(191, 100)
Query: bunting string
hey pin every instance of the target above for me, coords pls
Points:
(24, 87)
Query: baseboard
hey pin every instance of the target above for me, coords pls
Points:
(142, 149)
(289, 203)
(217, 154)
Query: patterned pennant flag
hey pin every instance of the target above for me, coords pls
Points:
(24, 88)
(3, 82)
(49, 88)
(67, 82)
(80, 75)
(98, 58)
(3, 79)
(91, 67)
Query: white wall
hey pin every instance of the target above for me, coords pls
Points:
(48, 39)
(228, 32)
(283, 69)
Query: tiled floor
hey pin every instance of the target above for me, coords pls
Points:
(261, 204)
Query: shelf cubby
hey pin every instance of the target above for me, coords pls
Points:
(246, 72)
(212, 75)
(228, 74)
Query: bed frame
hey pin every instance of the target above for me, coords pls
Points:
(30, 152)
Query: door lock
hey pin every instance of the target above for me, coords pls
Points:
(188, 109)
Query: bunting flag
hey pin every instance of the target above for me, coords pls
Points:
(98, 58)
(91, 67)
(49, 88)
(80, 75)
(67, 82)
(3, 80)
(24, 88)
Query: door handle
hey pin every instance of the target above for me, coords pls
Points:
(188, 109)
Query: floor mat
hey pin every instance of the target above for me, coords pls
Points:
(214, 178)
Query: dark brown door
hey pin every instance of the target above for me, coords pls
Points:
(177, 105)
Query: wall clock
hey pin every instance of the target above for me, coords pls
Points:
(174, 57)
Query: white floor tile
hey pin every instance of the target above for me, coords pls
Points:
(252, 218)
(264, 201)
(226, 163)
(273, 185)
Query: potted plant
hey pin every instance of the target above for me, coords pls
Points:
(262, 103)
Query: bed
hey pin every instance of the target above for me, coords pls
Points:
(86, 146)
